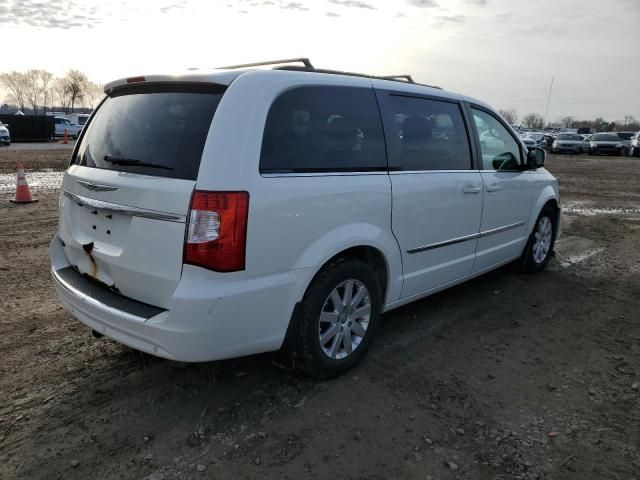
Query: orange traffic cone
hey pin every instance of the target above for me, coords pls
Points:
(66, 139)
(23, 194)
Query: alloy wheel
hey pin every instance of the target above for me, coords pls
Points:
(344, 319)
(542, 239)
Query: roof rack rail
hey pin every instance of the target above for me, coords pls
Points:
(405, 77)
(305, 61)
(308, 67)
(392, 78)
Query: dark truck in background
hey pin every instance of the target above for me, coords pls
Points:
(29, 128)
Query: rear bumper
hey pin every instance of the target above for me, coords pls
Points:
(211, 316)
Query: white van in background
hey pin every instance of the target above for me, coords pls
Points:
(78, 118)
(62, 124)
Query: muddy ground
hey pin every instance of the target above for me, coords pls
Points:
(38, 156)
(509, 376)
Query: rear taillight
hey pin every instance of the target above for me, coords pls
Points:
(217, 230)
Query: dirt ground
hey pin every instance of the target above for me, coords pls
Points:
(508, 376)
(35, 156)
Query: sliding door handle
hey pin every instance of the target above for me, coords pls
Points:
(472, 189)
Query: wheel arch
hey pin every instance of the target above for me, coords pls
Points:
(548, 197)
(366, 252)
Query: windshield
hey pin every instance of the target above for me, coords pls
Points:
(625, 135)
(536, 136)
(151, 129)
(605, 137)
(82, 120)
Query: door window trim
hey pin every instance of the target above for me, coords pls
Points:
(393, 158)
(469, 106)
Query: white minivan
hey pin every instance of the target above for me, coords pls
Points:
(218, 215)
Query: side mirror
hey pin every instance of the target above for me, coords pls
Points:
(535, 158)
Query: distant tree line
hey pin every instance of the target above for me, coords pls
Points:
(36, 91)
(536, 121)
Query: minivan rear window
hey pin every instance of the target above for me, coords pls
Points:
(157, 130)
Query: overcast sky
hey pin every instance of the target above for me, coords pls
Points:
(502, 51)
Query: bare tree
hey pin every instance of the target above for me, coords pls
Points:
(510, 115)
(16, 84)
(77, 83)
(568, 122)
(93, 94)
(533, 120)
(32, 89)
(46, 90)
(62, 92)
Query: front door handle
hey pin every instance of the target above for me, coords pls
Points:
(494, 187)
(471, 188)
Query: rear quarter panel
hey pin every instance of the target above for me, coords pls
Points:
(295, 221)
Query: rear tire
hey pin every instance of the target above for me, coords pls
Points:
(539, 248)
(333, 337)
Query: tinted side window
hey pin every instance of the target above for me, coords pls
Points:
(430, 133)
(500, 151)
(323, 129)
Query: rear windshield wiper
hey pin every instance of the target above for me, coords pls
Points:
(133, 162)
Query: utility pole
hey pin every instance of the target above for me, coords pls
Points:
(548, 100)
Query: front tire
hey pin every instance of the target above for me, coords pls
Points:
(338, 318)
(539, 248)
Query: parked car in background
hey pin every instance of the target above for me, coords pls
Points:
(78, 118)
(549, 138)
(62, 123)
(605, 143)
(528, 141)
(5, 136)
(538, 137)
(246, 210)
(625, 139)
(567, 143)
(634, 149)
